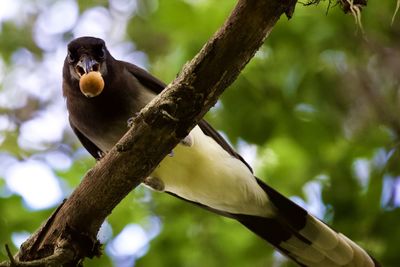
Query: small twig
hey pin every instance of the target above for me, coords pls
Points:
(10, 256)
(356, 12)
(395, 11)
(317, 2)
(329, 6)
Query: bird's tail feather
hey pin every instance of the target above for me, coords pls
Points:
(304, 238)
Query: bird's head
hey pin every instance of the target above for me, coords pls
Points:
(86, 63)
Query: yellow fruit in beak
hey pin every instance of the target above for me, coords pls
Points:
(91, 84)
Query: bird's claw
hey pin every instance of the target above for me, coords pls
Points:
(155, 183)
(100, 154)
(187, 141)
(131, 120)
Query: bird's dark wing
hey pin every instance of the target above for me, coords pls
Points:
(90, 147)
(145, 78)
(155, 85)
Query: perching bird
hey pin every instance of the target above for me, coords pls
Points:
(103, 93)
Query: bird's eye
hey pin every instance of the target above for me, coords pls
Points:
(71, 57)
(101, 53)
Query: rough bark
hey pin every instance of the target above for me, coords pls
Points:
(72, 229)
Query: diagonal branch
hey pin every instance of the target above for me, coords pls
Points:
(156, 131)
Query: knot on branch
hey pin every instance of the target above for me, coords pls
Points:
(63, 255)
(68, 250)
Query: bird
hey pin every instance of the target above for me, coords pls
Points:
(103, 93)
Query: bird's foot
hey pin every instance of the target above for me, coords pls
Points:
(187, 141)
(131, 120)
(155, 183)
(100, 154)
(169, 116)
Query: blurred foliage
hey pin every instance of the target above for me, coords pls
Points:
(320, 100)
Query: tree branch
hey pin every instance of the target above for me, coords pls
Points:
(156, 131)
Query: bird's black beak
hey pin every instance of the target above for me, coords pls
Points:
(86, 64)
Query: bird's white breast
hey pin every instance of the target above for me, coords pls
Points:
(207, 174)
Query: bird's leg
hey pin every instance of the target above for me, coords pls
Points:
(155, 183)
